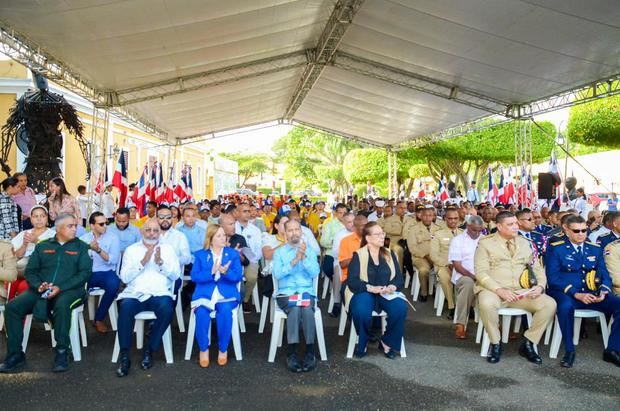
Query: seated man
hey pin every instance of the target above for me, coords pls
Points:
(569, 262)
(52, 290)
(499, 263)
(295, 267)
(127, 233)
(419, 244)
(149, 270)
(612, 261)
(105, 251)
(461, 256)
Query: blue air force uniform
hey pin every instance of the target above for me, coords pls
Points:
(566, 268)
(538, 239)
(606, 239)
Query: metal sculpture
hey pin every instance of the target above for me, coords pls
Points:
(35, 123)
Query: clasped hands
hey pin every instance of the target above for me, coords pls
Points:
(49, 286)
(150, 251)
(380, 289)
(509, 296)
(222, 269)
(587, 298)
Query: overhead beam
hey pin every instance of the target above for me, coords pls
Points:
(418, 82)
(26, 52)
(339, 21)
(352, 137)
(211, 78)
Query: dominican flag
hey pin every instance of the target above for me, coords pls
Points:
(190, 184)
(442, 194)
(139, 197)
(509, 189)
(501, 192)
(180, 189)
(492, 193)
(169, 191)
(421, 193)
(159, 184)
(119, 180)
(555, 170)
(102, 180)
(522, 192)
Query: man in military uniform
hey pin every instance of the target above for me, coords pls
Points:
(571, 263)
(604, 239)
(394, 228)
(57, 273)
(440, 245)
(539, 224)
(501, 261)
(487, 216)
(612, 261)
(525, 220)
(419, 243)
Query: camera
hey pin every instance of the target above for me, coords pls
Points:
(46, 293)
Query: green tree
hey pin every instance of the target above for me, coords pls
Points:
(250, 165)
(419, 171)
(313, 157)
(596, 123)
(469, 156)
(365, 164)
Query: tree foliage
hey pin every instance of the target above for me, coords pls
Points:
(419, 171)
(250, 165)
(313, 158)
(366, 164)
(596, 123)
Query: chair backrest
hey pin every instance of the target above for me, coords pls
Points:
(315, 283)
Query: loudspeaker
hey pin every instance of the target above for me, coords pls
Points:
(546, 185)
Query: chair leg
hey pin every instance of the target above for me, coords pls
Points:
(139, 334)
(407, 279)
(273, 309)
(275, 335)
(604, 329)
(167, 340)
(82, 326)
(440, 297)
(74, 336)
(484, 347)
(326, 283)
(505, 328)
(179, 313)
(263, 314)
(191, 332)
(415, 288)
(241, 319)
(281, 336)
(479, 332)
(403, 353)
(113, 312)
(320, 336)
(117, 349)
(236, 336)
(1, 319)
(342, 325)
(256, 299)
(352, 341)
(517, 326)
(556, 340)
(91, 307)
(577, 330)
(330, 306)
(548, 332)
(53, 336)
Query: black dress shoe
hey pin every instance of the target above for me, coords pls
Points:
(309, 362)
(450, 315)
(527, 350)
(61, 360)
(612, 357)
(390, 354)
(495, 352)
(292, 363)
(335, 311)
(422, 298)
(123, 369)
(13, 363)
(147, 359)
(568, 360)
(247, 308)
(359, 354)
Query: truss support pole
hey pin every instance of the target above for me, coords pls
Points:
(392, 174)
(98, 148)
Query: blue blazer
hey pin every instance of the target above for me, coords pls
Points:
(205, 281)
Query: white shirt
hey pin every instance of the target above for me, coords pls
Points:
(336, 244)
(179, 244)
(199, 222)
(83, 202)
(252, 236)
(18, 240)
(596, 234)
(310, 240)
(579, 204)
(373, 216)
(462, 248)
(108, 206)
(152, 279)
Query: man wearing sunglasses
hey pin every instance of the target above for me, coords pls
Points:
(568, 262)
(526, 222)
(105, 252)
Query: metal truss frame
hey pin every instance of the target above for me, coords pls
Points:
(210, 78)
(339, 21)
(351, 137)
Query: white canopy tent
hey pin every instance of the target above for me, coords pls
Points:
(379, 71)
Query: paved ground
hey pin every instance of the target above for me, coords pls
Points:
(438, 373)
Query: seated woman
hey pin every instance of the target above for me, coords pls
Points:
(217, 272)
(271, 242)
(23, 246)
(374, 272)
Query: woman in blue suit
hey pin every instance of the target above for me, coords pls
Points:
(217, 272)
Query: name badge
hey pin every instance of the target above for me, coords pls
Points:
(592, 258)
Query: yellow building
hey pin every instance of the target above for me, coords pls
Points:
(143, 148)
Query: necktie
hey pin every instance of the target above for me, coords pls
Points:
(511, 247)
(580, 250)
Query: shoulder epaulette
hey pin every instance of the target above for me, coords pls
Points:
(558, 242)
(486, 237)
(594, 244)
(604, 235)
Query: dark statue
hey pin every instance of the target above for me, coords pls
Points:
(34, 123)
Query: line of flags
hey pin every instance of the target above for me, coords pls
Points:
(507, 192)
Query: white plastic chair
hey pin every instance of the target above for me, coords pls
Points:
(415, 284)
(1, 317)
(140, 318)
(327, 282)
(78, 329)
(178, 307)
(579, 315)
(354, 338)
(268, 302)
(277, 331)
(440, 298)
(95, 293)
(236, 335)
(506, 314)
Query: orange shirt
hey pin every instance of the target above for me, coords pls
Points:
(348, 246)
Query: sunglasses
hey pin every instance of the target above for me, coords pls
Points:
(100, 224)
(585, 230)
(165, 217)
(525, 219)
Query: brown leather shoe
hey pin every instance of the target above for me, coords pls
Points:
(460, 332)
(222, 358)
(101, 327)
(204, 359)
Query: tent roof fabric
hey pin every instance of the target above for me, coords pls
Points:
(504, 51)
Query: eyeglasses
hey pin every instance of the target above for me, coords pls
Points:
(164, 217)
(585, 230)
(525, 219)
(100, 224)
(245, 211)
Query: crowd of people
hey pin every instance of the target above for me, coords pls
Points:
(210, 256)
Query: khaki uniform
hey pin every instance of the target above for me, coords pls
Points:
(612, 260)
(440, 244)
(394, 228)
(419, 243)
(496, 267)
